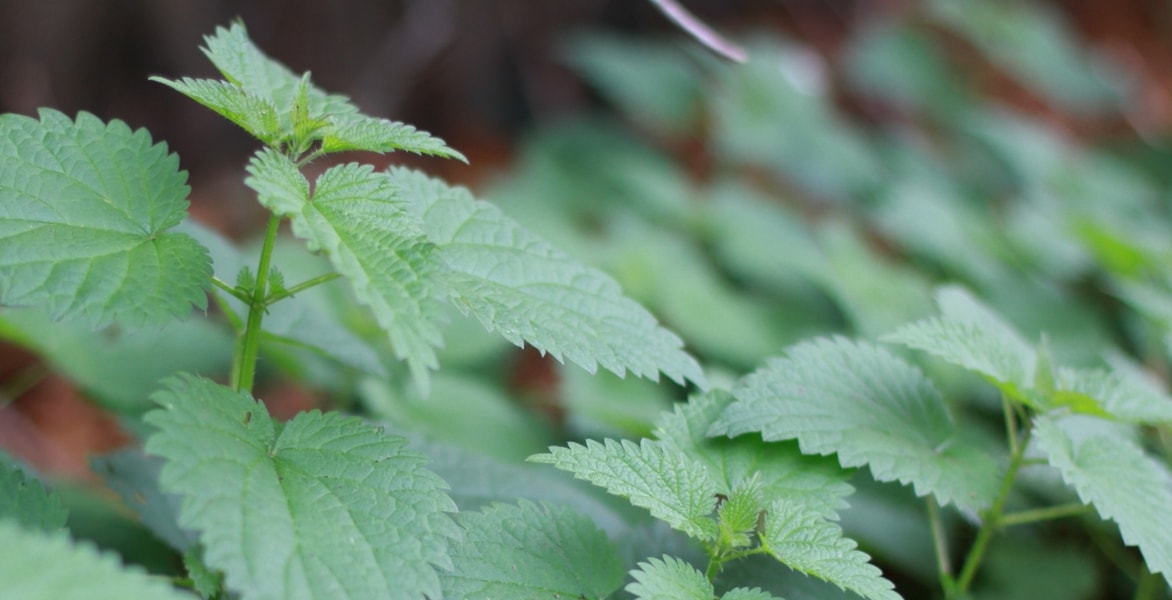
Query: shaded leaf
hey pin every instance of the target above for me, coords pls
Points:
(27, 502)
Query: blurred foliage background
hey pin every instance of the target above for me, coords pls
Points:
(866, 153)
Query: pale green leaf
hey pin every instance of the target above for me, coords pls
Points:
(871, 408)
(516, 283)
(360, 132)
(807, 542)
(323, 506)
(781, 469)
(206, 582)
(748, 594)
(969, 334)
(675, 488)
(254, 114)
(1122, 482)
(532, 552)
(669, 579)
(27, 502)
(354, 217)
(1124, 395)
(85, 209)
(40, 566)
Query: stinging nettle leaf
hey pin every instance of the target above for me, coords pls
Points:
(675, 488)
(360, 132)
(355, 218)
(254, 114)
(40, 566)
(532, 552)
(870, 408)
(27, 502)
(669, 578)
(1122, 482)
(283, 511)
(971, 335)
(84, 211)
(807, 542)
(516, 283)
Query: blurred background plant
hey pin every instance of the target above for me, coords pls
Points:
(865, 153)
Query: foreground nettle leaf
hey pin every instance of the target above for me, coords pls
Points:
(85, 209)
(669, 579)
(969, 334)
(516, 283)
(780, 469)
(869, 407)
(40, 566)
(532, 552)
(675, 488)
(25, 501)
(354, 217)
(323, 506)
(1122, 482)
(806, 542)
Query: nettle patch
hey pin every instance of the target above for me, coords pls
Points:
(741, 482)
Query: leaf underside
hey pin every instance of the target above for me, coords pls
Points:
(85, 209)
(285, 510)
(532, 552)
(519, 285)
(1122, 482)
(869, 407)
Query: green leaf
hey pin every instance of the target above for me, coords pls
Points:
(780, 468)
(1122, 482)
(39, 566)
(27, 502)
(254, 114)
(675, 488)
(971, 335)
(207, 583)
(807, 542)
(283, 510)
(532, 552)
(354, 217)
(1126, 396)
(669, 579)
(748, 594)
(84, 212)
(739, 515)
(871, 408)
(516, 283)
(360, 132)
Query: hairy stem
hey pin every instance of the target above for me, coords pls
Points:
(940, 544)
(1044, 514)
(301, 287)
(244, 363)
(993, 517)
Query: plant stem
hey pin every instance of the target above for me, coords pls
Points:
(1044, 514)
(231, 290)
(940, 544)
(301, 287)
(993, 518)
(244, 363)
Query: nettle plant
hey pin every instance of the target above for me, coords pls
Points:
(94, 233)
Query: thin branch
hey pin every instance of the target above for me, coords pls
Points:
(702, 32)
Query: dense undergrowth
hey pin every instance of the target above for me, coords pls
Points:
(925, 356)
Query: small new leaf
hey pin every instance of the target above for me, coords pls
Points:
(1122, 482)
(85, 209)
(969, 334)
(360, 132)
(808, 543)
(673, 487)
(39, 566)
(870, 408)
(355, 218)
(27, 502)
(669, 579)
(283, 510)
(532, 552)
(516, 283)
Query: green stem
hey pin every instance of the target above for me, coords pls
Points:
(1044, 514)
(940, 544)
(231, 290)
(301, 287)
(244, 363)
(993, 518)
